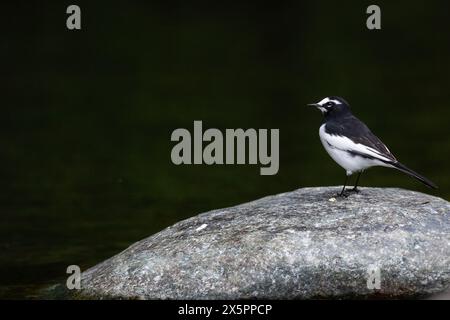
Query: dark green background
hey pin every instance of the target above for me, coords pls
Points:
(86, 116)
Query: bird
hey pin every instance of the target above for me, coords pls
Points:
(352, 145)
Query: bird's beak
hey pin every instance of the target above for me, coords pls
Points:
(313, 105)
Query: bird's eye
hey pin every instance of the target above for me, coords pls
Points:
(329, 104)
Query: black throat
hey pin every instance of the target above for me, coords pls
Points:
(336, 114)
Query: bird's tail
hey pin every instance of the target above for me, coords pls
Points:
(408, 171)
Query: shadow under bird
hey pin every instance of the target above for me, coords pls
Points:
(352, 145)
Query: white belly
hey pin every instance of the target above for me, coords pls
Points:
(351, 163)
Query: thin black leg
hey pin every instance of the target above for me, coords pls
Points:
(343, 188)
(355, 188)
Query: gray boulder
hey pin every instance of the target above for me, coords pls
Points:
(381, 242)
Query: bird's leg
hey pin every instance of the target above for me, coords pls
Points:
(355, 188)
(342, 194)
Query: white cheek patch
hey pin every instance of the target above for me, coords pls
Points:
(323, 109)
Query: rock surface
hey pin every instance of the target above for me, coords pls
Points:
(296, 245)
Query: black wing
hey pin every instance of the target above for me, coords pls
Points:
(358, 132)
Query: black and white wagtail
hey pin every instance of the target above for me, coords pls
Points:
(351, 143)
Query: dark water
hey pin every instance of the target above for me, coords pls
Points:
(86, 116)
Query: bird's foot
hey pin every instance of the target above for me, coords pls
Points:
(342, 194)
(345, 193)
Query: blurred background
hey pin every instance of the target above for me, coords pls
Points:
(86, 116)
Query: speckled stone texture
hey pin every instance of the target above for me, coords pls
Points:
(296, 245)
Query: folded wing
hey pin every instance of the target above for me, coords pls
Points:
(355, 137)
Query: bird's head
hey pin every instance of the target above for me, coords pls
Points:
(332, 106)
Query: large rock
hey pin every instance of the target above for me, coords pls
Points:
(300, 244)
